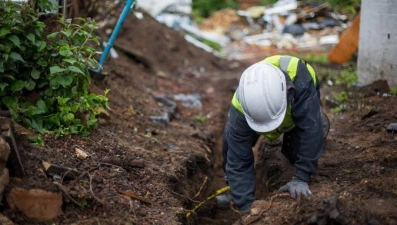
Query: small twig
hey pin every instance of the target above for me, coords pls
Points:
(271, 201)
(260, 214)
(201, 188)
(92, 192)
(298, 202)
(63, 189)
(183, 196)
(109, 164)
(206, 157)
(133, 195)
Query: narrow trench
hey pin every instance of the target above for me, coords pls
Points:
(269, 171)
(272, 170)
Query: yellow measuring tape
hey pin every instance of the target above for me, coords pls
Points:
(218, 192)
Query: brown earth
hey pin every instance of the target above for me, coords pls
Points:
(167, 155)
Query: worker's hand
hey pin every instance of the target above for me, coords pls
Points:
(296, 187)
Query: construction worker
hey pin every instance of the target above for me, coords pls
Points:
(279, 95)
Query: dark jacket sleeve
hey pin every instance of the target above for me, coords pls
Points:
(239, 159)
(306, 113)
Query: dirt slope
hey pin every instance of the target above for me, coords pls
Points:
(181, 156)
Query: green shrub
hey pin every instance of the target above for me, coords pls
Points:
(347, 77)
(44, 78)
(393, 91)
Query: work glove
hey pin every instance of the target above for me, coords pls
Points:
(296, 187)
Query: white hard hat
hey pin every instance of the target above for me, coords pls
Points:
(262, 93)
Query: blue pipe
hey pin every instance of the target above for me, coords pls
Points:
(115, 32)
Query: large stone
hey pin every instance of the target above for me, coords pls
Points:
(36, 203)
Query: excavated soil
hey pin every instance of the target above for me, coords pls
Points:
(167, 152)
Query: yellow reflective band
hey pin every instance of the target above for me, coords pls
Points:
(236, 103)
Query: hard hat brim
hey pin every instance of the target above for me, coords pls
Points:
(268, 126)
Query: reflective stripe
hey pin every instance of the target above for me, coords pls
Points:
(289, 65)
(284, 62)
(236, 103)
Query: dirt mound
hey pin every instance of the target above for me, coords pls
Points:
(160, 162)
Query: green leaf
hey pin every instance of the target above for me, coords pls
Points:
(41, 45)
(53, 35)
(37, 123)
(15, 40)
(42, 62)
(8, 76)
(38, 140)
(3, 86)
(54, 120)
(62, 42)
(48, 92)
(92, 122)
(68, 117)
(64, 80)
(56, 69)
(35, 74)
(30, 85)
(65, 51)
(75, 69)
(62, 101)
(31, 37)
(70, 61)
(10, 101)
(42, 106)
(17, 85)
(42, 83)
(4, 31)
(67, 33)
(54, 85)
(16, 57)
(74, 90)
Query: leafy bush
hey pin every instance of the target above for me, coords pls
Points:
(44, 78)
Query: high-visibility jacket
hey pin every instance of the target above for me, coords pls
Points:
(302, 141)
(289, 66)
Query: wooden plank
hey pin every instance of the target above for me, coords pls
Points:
(348, 43)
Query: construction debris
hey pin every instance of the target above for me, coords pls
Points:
(287, 24)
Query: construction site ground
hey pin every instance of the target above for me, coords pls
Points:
(153, 171)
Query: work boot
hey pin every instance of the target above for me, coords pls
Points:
(224, 200)
(254, 215)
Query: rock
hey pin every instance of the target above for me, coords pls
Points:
(36, 203)
(5, 221)
(4, 180)
(4, 153)
(392, 127)
(80, 154)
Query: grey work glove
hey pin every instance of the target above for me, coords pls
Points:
(296, 187)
